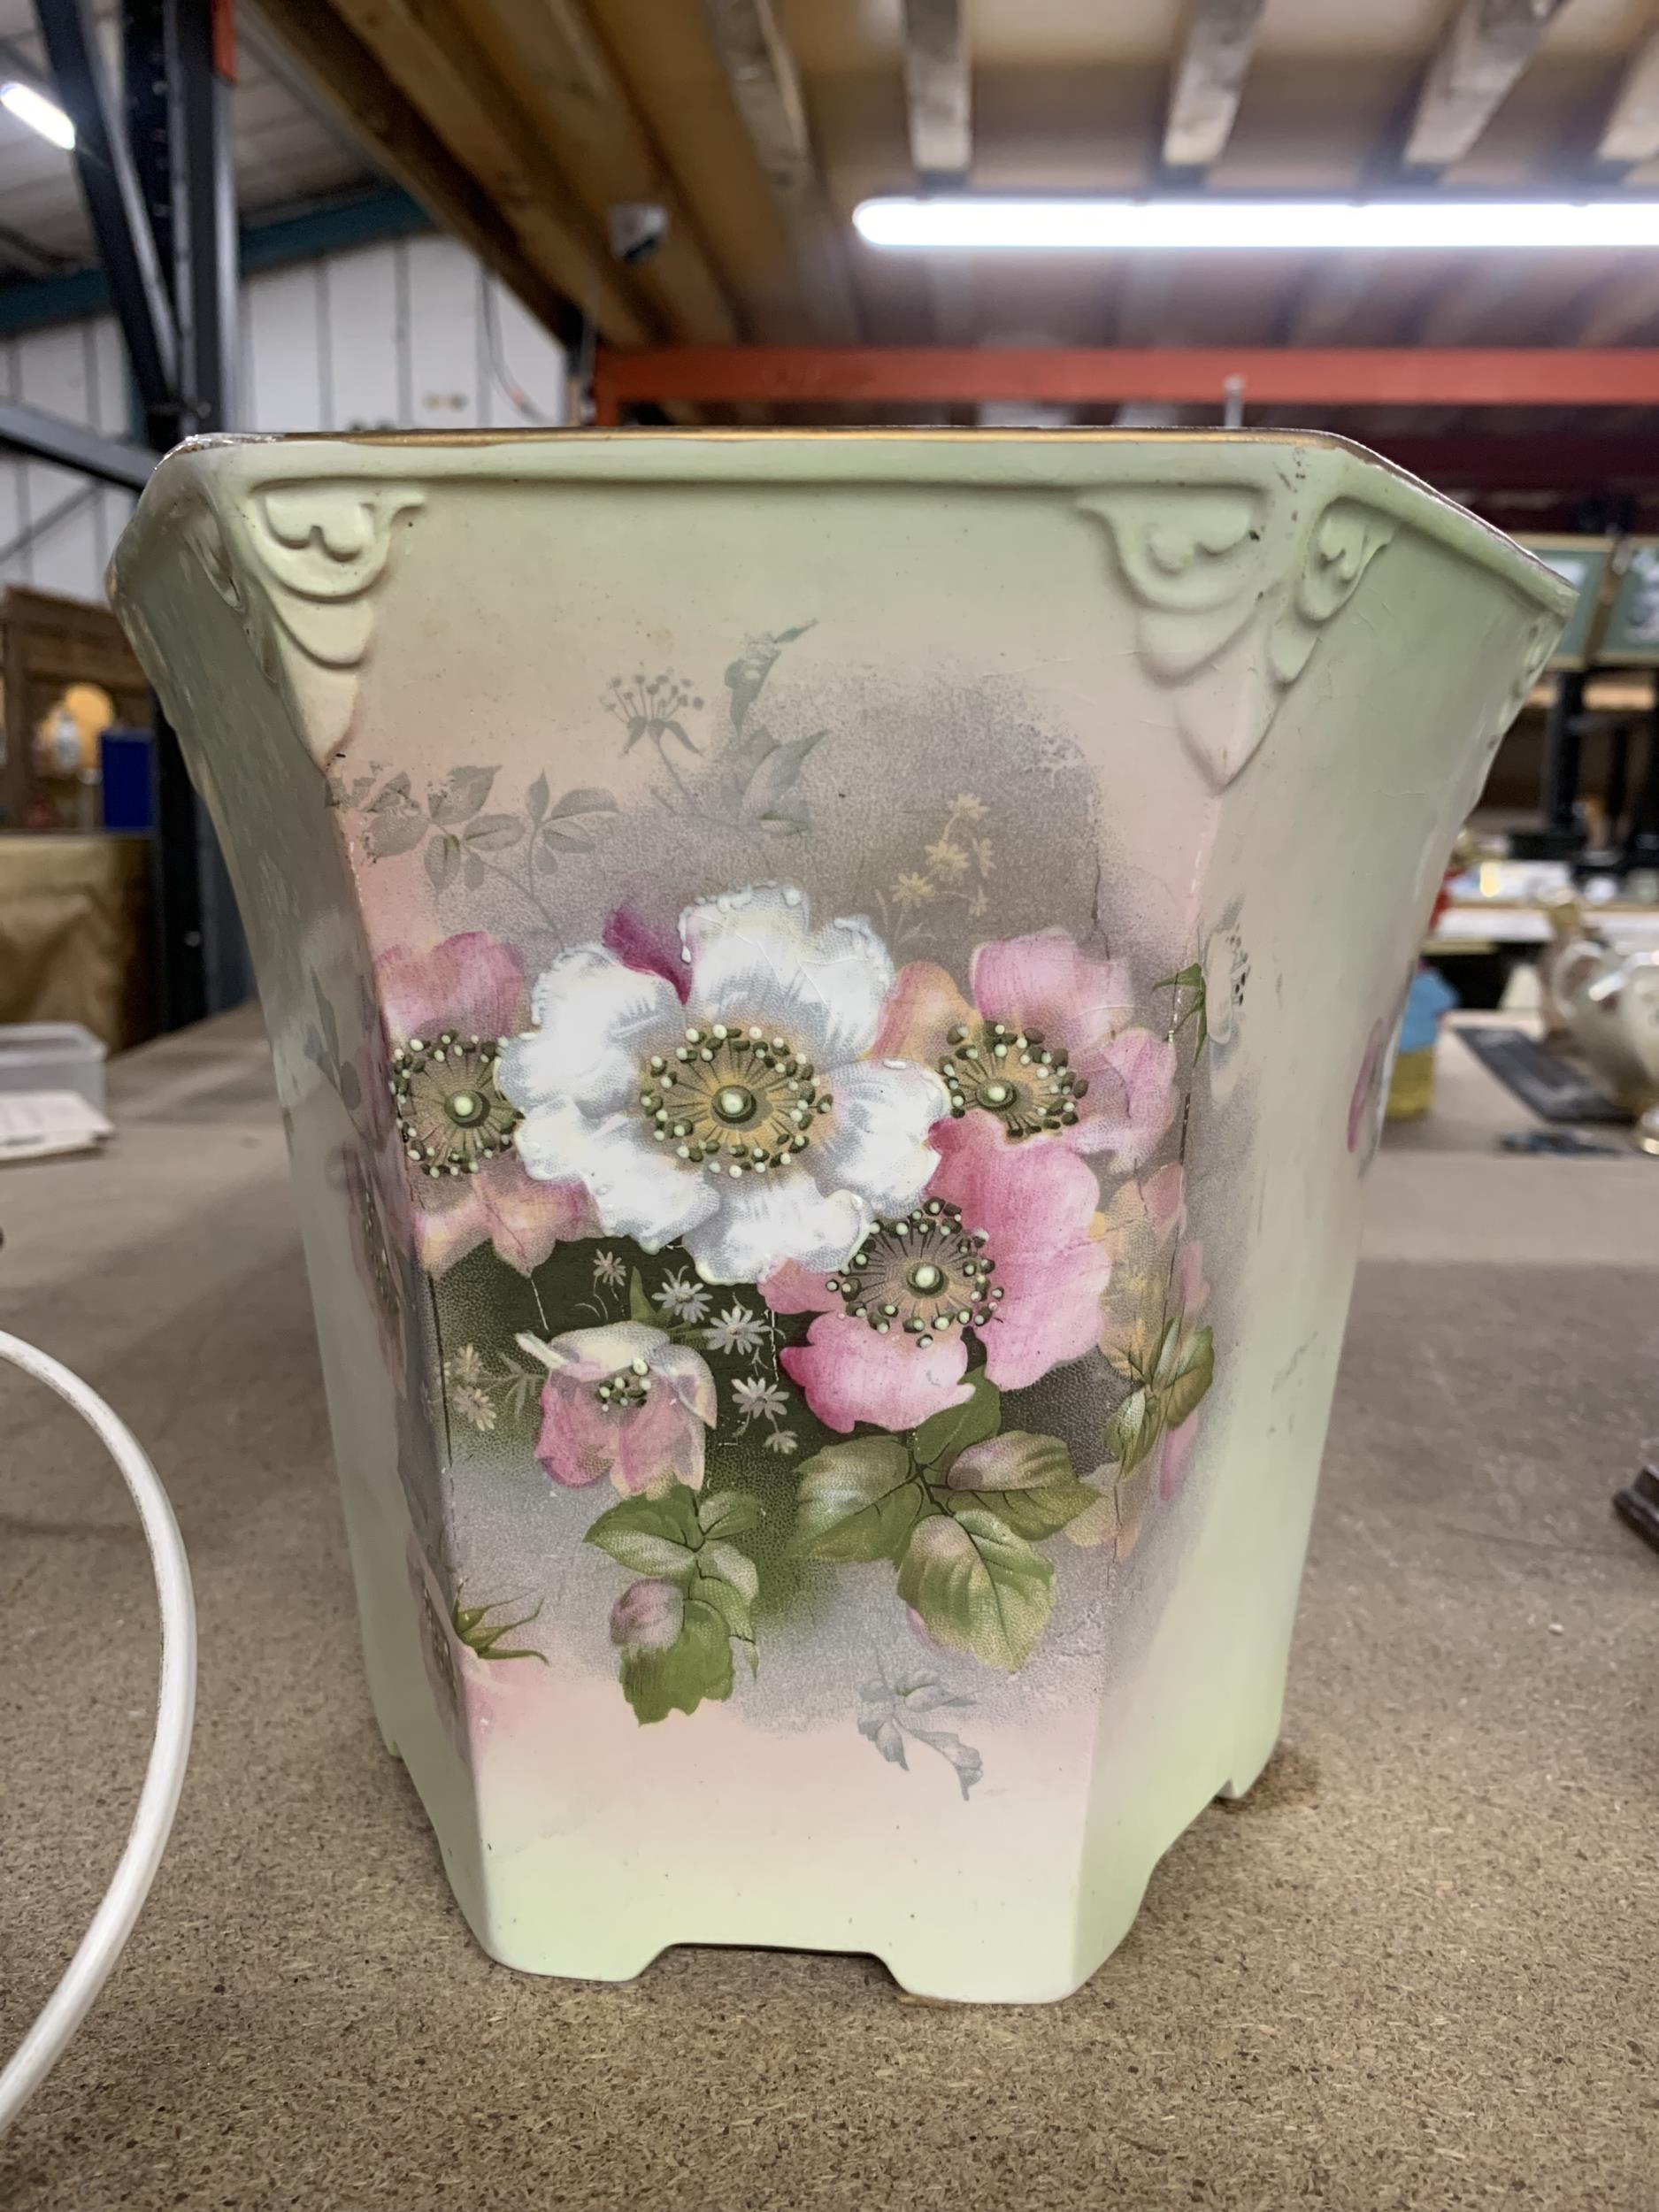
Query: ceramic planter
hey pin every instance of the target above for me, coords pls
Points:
(829, 994)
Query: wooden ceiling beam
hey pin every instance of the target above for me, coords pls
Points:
(1485, 50)
(938, 94)
(765, 87)
(436, 60)
(346, 74)
(572, 93)
(1352, 376)
(1210, 82)
(1631, 134)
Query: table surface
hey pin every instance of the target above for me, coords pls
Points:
(1416, 1967)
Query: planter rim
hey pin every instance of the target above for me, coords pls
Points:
(1075, 459)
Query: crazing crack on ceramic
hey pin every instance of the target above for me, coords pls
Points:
(832, 1000)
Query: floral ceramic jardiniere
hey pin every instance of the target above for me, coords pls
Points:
(829, 995)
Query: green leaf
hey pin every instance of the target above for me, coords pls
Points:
(736, 1567)
(640, 1306)
(1034, 1514)
(730, 1603)
(696, 1665)
(729, 1513)
(1025, 1481)
(1190, 978)
(394, 792)
(1012, 1461)
(1162, 1365)
(1134, 1428)
(1194, 1372)
(939, 1441)
(460, 796)
(396, 830)
(494, 833)
(536, 799)
(652, 1536)
(772, 792)
(857, 1500)
(978, 1586)
(444, 858)
(729, 1580)
(584, 801)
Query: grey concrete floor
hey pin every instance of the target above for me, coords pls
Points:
(1419, 1966)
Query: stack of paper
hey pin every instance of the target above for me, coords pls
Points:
(36, 1125)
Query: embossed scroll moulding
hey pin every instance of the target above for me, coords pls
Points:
(831, 997)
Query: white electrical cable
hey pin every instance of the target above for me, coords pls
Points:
(175, 1706)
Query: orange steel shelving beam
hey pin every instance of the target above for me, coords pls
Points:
(1264, 376)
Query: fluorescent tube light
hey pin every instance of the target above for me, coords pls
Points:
(1430, 225)
(40, 113)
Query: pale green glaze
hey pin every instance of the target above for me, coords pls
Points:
(1165, 738)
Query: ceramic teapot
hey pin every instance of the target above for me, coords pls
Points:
(1605, 999)
(829, 994)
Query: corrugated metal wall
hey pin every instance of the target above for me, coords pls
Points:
(414, 333)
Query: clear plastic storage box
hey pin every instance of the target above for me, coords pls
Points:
(52, 1056)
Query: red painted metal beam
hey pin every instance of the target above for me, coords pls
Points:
(1276, 376)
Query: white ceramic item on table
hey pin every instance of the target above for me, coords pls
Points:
(1606, 998)
(830, 997)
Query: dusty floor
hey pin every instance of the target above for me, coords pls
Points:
(1419, 1966)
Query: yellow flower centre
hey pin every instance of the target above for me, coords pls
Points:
(732, 1099)
(921, 1276)
(626, 1391)
(451, 1115)
(1009, 1072)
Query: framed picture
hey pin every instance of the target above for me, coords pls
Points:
(1583, 563)
(1631, 635)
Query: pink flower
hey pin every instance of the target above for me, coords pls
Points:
(652, 951)
(647, 1615)
(1046, 1047)
(1007, 1245)
(1365, 1104)
(623, 1400)
(469, 1185)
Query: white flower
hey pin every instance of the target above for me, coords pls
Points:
(758, 1399)
(686, 1300)
(609, 1269)
(474, 1407)
(783, 1441)
(751, 1124)
(464, 1366)
(736, 1330)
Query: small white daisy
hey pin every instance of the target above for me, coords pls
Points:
(683, 1296)
(474, 1407)
(783, 1441)
(610, 1270)
(736, 1330)
(464, 1366)
(756, 1398)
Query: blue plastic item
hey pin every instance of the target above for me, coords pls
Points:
(1430, 997)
